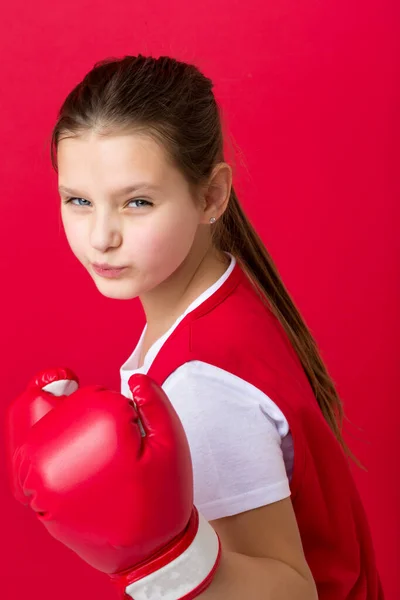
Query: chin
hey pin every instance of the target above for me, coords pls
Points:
(116, 291)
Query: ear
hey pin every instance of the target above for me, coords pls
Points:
(217, 193)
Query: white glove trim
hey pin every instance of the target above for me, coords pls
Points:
(61, 387)
(185, 573)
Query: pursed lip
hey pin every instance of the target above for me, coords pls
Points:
(108, 271)
(107, 267)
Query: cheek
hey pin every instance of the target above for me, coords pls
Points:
(74, 232)
(165, 244)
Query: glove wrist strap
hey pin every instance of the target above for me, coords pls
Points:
(185, 574)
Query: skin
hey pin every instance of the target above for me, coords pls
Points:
(165, 245)
(167, 250)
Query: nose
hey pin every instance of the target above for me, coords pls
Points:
(105, 232)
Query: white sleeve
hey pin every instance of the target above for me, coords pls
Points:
(235, 433)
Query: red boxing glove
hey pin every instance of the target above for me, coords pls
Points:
(112, 480)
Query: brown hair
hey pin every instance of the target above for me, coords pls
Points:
(174, 102)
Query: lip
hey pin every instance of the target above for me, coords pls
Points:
(108, 271)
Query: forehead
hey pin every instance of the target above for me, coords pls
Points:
(112, 157)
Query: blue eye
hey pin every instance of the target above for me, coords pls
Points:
(144, 202)
(71, 201)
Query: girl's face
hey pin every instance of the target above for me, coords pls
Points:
(124, 205)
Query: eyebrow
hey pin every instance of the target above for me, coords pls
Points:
(121, 192)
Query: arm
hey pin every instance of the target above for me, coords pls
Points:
(70, 463)
(262, 557)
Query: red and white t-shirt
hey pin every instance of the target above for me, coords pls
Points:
(241, 446)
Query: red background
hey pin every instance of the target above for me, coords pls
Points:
(310, 94)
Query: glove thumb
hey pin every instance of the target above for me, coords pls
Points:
(42, 394)
(158, 417)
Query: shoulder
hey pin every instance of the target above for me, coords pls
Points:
(243, 335)
(234, 440)
(205, 387)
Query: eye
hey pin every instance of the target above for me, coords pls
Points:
(142, 204)
(72, 201)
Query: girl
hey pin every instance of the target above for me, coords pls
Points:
(149, 210)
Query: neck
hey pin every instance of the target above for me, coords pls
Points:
(164, 304)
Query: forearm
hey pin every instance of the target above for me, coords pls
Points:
(239, 576)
